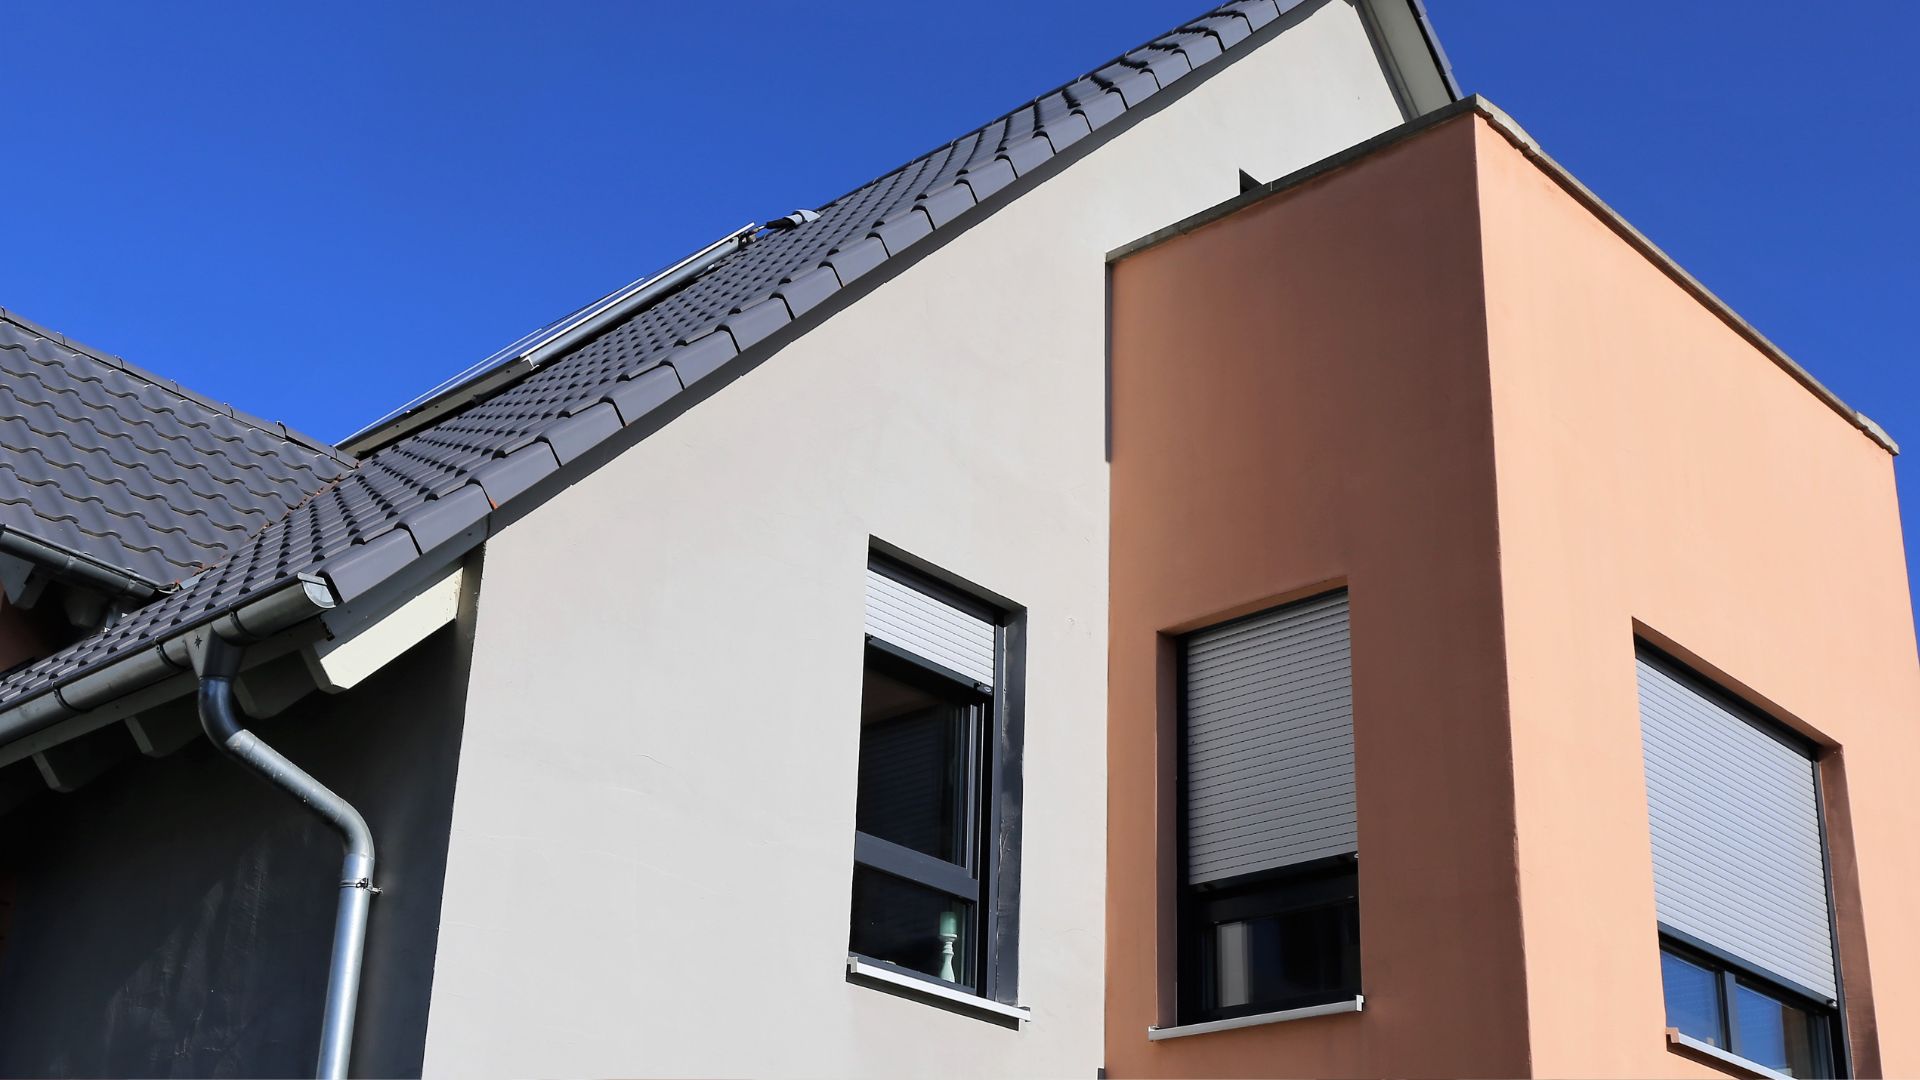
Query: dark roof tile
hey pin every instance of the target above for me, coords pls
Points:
(806, 291)
(582, 431)
(505, 477)
(131, 471)
(434, 523)
(902, 230)
(1197, 46)
(697, 359)
(1030, 154)
(983, 180)
(264, 505)
(947, 203)
(1166, 65)
(363, 567)
(640, 395)
(857, 258)
(756, 321)
(1101, 109)
(1258, 13)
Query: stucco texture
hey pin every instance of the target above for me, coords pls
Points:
(651, 853)
(1657, 471)
(173, 917)
(1436, 376)
(1300, 400)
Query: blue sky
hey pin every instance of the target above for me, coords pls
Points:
(315, 211)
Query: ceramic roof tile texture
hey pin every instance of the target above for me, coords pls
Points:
(443, 482)
(130, 470)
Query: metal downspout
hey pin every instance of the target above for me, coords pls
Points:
(220, 718)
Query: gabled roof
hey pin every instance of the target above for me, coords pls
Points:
(438, 490)
(133, 472)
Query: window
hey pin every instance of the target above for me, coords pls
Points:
(935, 850)
(1270, 905)
(1740, 875)
(1716, 1003)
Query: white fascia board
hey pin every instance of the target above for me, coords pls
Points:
(1412, 54)
(344, 662)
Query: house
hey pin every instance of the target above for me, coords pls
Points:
(1515, 644)
(1045, 456)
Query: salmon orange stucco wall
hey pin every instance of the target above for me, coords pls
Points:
(1441, 374)
(1300, 398)
(1656, 469)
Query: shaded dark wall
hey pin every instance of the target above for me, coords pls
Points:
(174, 917)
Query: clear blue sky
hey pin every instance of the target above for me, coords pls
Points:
(314, 211)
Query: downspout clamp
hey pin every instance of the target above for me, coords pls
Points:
(220, 718)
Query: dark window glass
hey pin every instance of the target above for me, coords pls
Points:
(1693, 999)
(1719, 1003)
(918, 815)
(1773, 1032)
(916, 743)
(912, 926)
(1278, 943)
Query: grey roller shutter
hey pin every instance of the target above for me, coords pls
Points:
(1737, 859)
(1269, 732)
(932, 629)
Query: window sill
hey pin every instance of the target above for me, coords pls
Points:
(1688, 1046)
(1331, 1008)
(956, 999)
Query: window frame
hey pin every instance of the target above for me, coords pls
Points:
(1834, 1029)
(1301, 887)
(1728, 972)
(1191, 903)
(991, 875)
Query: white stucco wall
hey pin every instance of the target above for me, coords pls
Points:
(653, 830)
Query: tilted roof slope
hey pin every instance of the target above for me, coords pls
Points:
(445, 481)
(132, 471)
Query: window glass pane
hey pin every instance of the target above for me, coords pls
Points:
(912, 926)
(915, 748)
(1693, 999)
(1284, 960)
(1772, 1032)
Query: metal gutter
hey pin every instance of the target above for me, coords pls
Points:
(1510, 130)
(221, 720)
(528, 354)
(294, 602)
(68, 565)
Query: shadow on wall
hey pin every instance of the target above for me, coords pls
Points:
(174, 917)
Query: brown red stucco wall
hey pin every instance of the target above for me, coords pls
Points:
(1300, 398)
(1440, 376)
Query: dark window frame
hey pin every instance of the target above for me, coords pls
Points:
(1729, 971)
(1195, 903)
(1322, 883)
(991, 878)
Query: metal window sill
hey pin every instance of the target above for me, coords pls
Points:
(1331, 1008)
(953, 997)
(1688, 1045)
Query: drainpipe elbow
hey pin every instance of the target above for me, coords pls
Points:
(217, 712)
